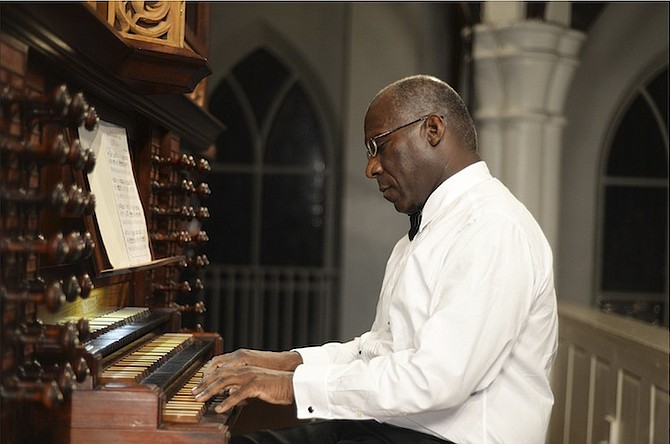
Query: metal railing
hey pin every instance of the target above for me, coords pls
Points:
(271, 308)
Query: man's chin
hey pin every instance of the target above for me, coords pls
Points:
(397, 203)
(400, 208)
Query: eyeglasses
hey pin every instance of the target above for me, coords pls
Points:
(371, 144)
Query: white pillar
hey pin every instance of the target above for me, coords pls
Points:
(522, 71)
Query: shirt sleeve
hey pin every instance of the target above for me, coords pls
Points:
(332, 352)
(315, 360)
(452, 331)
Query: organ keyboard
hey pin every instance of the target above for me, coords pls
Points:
(145, 394)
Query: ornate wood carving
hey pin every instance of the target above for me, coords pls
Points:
(149, 21)
(143, 67)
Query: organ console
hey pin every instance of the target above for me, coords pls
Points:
(92, 352)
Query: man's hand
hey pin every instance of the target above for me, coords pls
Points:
(242, 383)
(286, 361)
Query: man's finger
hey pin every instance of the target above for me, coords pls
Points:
(233, 397)
(214, 364)
(212, 380)
(210, 387)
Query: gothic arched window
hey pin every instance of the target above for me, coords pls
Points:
(634, 219)
(271, 229)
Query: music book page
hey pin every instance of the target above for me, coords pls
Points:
(118, 209)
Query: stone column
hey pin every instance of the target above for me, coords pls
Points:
(522, 72)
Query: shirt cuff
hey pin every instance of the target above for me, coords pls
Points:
(309, 390)
(313, 355)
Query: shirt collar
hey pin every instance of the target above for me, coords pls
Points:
(452, 188)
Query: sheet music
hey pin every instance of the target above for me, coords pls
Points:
(119, 212)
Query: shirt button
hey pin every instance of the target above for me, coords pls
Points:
(310, 409)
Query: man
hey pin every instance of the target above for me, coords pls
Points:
(465, 330)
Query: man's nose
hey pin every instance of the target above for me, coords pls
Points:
(373, 167)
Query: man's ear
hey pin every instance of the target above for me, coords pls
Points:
(436, 129)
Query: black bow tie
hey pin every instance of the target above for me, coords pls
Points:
(414, 222)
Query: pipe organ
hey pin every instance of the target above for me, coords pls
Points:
(92, 351)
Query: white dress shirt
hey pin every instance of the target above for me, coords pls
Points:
(465, 330)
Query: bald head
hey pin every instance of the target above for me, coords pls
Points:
(423, 94)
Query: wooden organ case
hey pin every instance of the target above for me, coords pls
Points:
(91, 352)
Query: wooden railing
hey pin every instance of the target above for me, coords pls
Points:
(610, 380)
